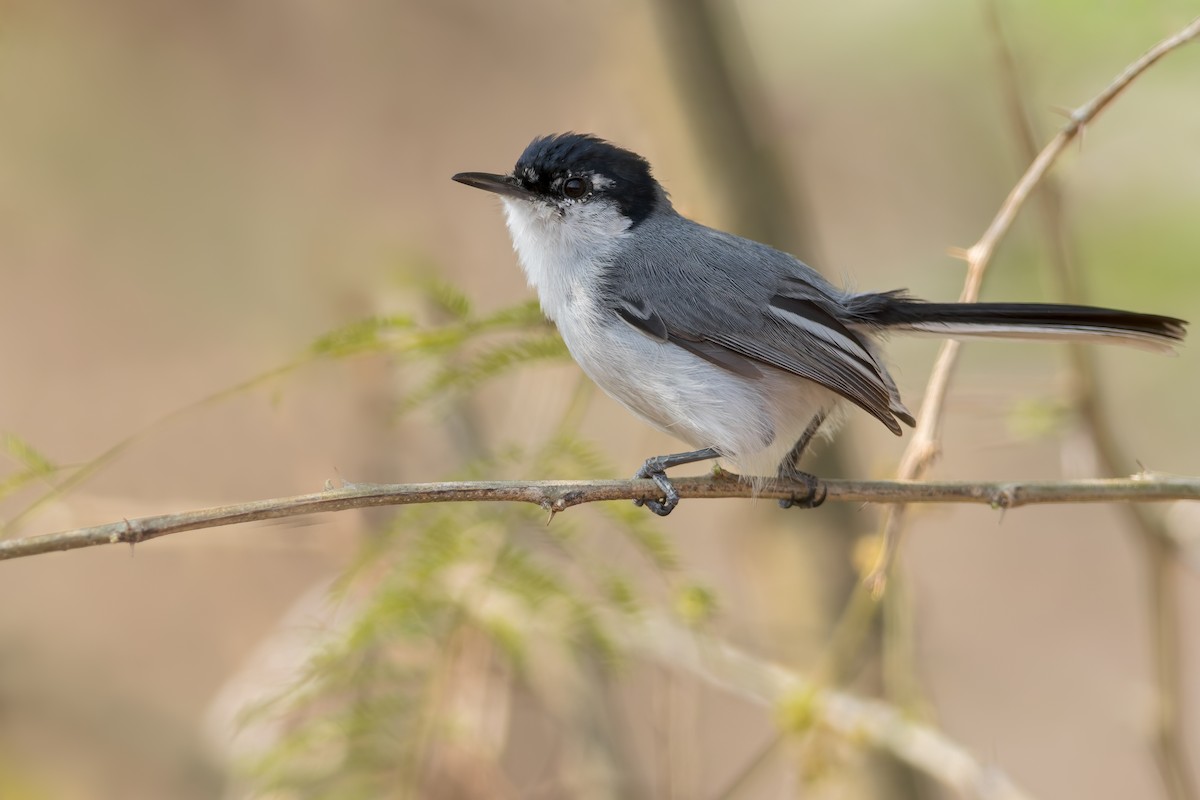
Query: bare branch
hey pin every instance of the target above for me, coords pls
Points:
(556, 496)
(925, 445)
(1169, 740)
(857, 719)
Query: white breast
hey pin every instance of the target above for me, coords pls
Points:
(562, 253)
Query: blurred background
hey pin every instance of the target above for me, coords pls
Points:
(192, 194)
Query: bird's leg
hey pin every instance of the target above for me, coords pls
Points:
(789, 469)
(654, 469)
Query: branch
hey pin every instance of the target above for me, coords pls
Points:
(1169, 739)
(556, 496)
(854, 718)
(925, 446)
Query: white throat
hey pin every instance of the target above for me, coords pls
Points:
(562, 252)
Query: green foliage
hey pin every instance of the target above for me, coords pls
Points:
(445, 297)
(361, 335)
(491, 362)
(796, 711)
(398, 335)
(32, 465)
(463, 355)
(445, 589)
(443, 586)
(695, 604)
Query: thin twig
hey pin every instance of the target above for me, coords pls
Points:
(925, 447)
(854, 718)
(557, 496)
(1168, 740)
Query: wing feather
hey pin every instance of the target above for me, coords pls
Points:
(787, 322)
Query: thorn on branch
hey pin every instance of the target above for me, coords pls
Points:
(133, 534)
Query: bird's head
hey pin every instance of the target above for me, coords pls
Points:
(575, 177)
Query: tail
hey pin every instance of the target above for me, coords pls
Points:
(894, 311)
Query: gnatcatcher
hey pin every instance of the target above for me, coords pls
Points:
(738, 349)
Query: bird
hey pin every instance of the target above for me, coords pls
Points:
(741, 350)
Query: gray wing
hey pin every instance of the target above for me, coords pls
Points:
(741, 317)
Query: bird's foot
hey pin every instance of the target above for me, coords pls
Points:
(814, 491)
(654, 469)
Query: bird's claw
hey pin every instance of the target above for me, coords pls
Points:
(814, 494)
(654, 470)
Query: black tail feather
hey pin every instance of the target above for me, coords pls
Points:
(1022, 320)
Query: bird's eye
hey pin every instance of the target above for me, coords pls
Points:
(576, 188)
